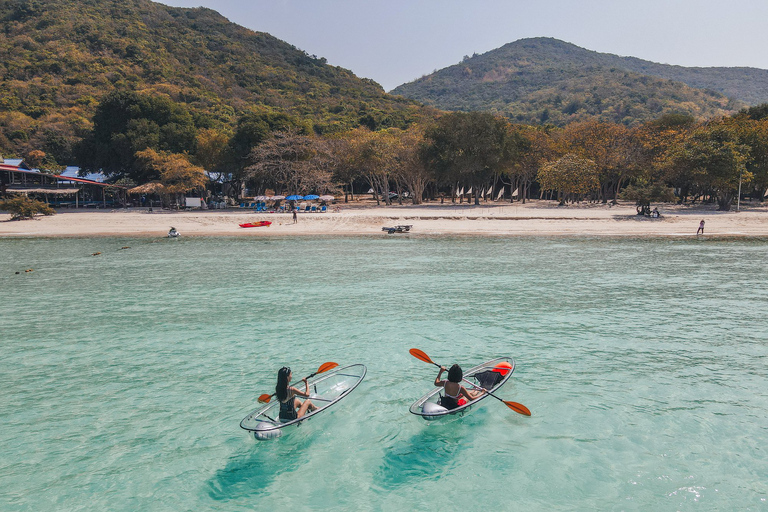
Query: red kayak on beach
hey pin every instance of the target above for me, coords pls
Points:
(256, 224)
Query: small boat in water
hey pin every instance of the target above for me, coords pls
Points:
(259, 224)
(325, 390)
(490, 375)
(173, 233)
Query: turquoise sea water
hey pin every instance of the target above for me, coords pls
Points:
(124, 376)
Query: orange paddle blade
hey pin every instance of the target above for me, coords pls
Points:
(265, 398)
(519, 408)
(326, 366)
(418, 354)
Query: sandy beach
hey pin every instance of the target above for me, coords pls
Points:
(365, 218)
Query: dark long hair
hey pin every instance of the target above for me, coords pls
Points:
(455, 374)
(281, 390)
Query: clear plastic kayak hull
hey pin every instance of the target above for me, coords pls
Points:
(428, 407)
(325, 390)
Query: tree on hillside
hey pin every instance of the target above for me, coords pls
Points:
(126, 123)
(468, 148)
(571, 176)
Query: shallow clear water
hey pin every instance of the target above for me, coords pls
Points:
(124, 376)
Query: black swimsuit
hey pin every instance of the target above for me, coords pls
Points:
(287, 409)
(450, 402)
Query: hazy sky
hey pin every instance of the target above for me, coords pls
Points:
(396, 41)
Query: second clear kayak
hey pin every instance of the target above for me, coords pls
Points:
(490, 375)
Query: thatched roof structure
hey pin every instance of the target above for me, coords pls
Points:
(153, 187)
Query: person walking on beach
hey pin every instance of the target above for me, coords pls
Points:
(701, 227)
(295, 217)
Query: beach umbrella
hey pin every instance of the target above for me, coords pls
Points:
(260, 198)
(277, 198)
(327, 198)
(311, 197)
(294, 198)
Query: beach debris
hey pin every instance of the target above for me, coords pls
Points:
(125, 247)
(96, 254)
(402, 228)
(30, 270)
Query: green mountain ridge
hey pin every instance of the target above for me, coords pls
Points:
(546, 80)
(58, 58)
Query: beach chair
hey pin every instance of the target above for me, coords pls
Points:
(323, 209)
(314, 209)
(306, 208)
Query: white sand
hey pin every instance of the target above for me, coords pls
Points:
(363, 218)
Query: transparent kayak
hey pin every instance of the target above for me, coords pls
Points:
(325, 390)
(487, 375)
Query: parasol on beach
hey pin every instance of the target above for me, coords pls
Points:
(294, 198)
(260, 198)
(327, 198)
(276, 198)
(311, 197)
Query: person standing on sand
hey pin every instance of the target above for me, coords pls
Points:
(295, 217)
(701, 227)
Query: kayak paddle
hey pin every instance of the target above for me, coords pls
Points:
(265, 398)
(518, 408)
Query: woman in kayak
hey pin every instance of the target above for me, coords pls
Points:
(453, 388)
(287, 394)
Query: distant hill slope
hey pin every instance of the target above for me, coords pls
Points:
(59, 57)
(546, 80)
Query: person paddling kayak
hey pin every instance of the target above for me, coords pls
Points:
(287, 394)
(454, 391)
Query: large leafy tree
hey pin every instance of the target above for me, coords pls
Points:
(571, 176)
(534, 147)
(714, 157)
(611, 147)
(469, 148)
(293, 163)
(410, 168)
(126, 123)
(173, 173)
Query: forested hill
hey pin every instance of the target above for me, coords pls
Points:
(547, 80)
(58, 58)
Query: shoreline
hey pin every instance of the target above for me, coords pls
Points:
(535, 218)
